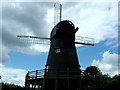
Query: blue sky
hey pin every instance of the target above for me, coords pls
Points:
(36, 62)
(98, 20)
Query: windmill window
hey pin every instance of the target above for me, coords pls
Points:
(57, 50)
(47, 67)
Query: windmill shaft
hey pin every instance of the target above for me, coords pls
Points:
(82, 43)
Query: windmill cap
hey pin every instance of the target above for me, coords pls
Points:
(64, 27)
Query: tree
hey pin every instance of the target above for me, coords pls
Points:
(95, 76)
(114, 82)
(92, 78)
(92, 71)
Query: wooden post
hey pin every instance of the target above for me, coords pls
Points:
(35, 79)
(80, 79)
(26, 81)
(43, 86)
(56, 84)
(80, 82)
(68, 79)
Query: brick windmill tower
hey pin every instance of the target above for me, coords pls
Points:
(62, 69)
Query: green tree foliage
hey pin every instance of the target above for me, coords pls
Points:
(92, 71)
(106, 82)
(110, 83)
(7, 86)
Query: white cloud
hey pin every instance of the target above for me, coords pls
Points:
(108, 63)
(60, 0)
(23, 19)
(97, 20)
(4, 51)
(13, 75)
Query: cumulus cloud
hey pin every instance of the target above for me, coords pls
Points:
(23, 19)
(13, 75)
(97, 20)
(60, 1)
(4, 55)
(108, 64)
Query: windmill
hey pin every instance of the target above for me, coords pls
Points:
(62, 69)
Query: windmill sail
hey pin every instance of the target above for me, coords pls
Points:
(34, 39)
(57, 13)
(46, 41)
(84, 40)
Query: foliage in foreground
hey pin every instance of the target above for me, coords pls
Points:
(7, 86)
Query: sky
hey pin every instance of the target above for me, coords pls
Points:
(98, 20)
